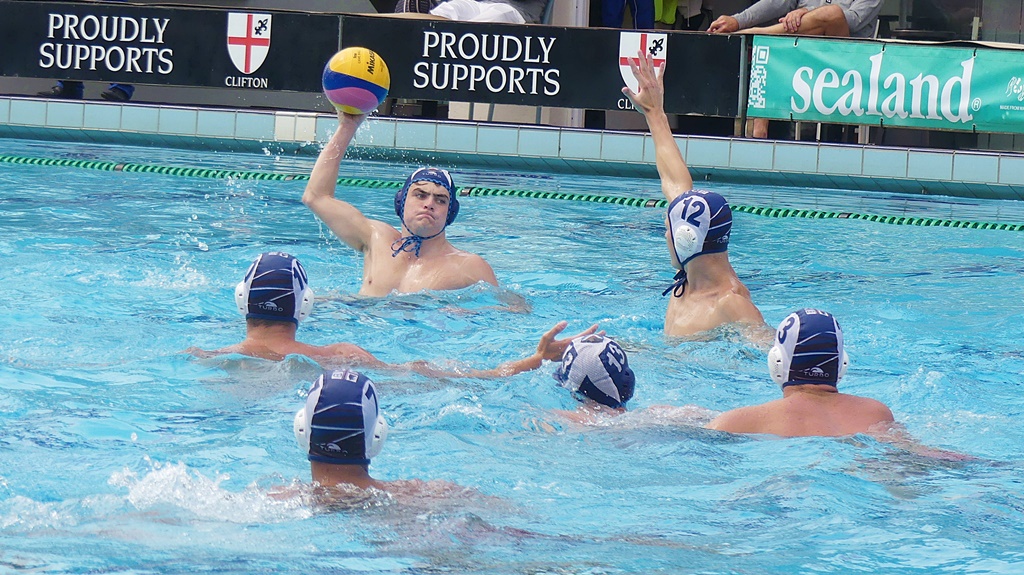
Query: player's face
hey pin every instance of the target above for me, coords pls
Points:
(426, 208)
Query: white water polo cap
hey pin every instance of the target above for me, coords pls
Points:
(808, 350)
(596, 367)
(341, 422)
(699, 223)
(275, 288)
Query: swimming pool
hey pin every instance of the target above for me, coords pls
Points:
(120, 454)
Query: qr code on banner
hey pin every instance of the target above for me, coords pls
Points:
(760, 55)
(758, 77)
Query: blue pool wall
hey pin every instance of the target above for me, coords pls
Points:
(970, 174)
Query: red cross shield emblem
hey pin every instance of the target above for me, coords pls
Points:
(248, 40)
(655, 45)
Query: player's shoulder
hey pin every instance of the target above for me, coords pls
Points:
(737, 307)
(383, 228)
(474, 267)
(739, 420)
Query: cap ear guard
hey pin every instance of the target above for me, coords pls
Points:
(453, 208)
(379, 436)
(306, 300)
(686, 242)
(300, 427)
(242, 289)
(778, 364)
(242, 298)
(400, 200)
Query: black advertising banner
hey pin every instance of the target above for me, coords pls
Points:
(553, 66)
(180, 46)
(435, 60)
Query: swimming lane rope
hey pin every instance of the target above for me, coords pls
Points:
(483, 192)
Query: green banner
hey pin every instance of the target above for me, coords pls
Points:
(891, 84)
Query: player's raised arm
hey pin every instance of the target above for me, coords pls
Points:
(649, 99)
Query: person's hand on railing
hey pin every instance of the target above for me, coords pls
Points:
(723, 25)
(791, 21)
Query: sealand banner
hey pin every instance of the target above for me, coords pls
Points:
(943, 87)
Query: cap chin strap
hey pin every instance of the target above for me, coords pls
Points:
(679, 281)
(678, 284)
(411, 243)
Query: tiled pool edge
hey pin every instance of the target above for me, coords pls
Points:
(994, 175)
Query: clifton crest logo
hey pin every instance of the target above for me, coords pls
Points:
(248, 40)
(654, 45)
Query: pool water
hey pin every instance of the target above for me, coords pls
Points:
(120, 454)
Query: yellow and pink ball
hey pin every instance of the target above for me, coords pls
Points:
(356, 80)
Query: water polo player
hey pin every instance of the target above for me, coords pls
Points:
(707, 293)
(274, 296)
(595, 370)
(417, 256)
(808, 360)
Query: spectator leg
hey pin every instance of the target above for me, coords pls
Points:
(68, 89)
(643, 14)
(612, 13)
(760, 128)
(118, 92)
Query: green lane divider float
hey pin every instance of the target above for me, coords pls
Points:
(483, 192)
(756, 210)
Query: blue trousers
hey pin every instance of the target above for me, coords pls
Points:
(613, 12)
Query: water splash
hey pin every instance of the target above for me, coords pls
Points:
(190, 493)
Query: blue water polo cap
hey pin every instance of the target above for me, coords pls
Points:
(438, 176)
(808, 349)
(341, 422)
(275, 288)
(699, 223)
(596, 367)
